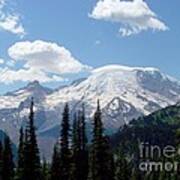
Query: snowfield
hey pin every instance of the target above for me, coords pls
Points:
(124, 93)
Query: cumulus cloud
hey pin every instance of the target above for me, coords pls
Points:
(8, 76)
(46, 56)
(10, 22)
(42, 61)
(134, 16)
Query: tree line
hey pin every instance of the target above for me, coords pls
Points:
(74, 158)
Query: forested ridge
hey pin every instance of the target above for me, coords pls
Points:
(103, 158)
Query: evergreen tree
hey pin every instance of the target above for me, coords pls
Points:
(122, 168)
(177, 158)
(83, 153)
(55, 166)
(79, 169)
(101, 158)
(45, 170)
(21, 163)
(82, 126)
(162, 175)
(1, 159)
(8, 164)
(108, 160)
(64, 144)
(75, 150)
(136, 175)
(32, 169)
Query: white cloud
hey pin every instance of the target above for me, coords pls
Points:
(10, 22)
(2, 3)
(9, 76)
(1, 61)
(134, 16)
(46, 56)
(42, 61)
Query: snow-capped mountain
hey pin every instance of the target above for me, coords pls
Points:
(124, 93)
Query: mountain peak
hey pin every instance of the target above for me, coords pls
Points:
(33, 84)
(37, 88)
(125, 94)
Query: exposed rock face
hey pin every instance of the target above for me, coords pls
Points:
(124, 92)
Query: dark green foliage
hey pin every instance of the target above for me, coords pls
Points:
(1, 160)
(79, 163)
(8, 164)
(82, 126)
(21, 158)
(107, 160)
(32, 169)
(160, 128)
(73, 159)
(100, 158)
(83, 150)
(137, 175)
(55, 166)
(75, 150)
(65, 160)
(122, 167)
(45, 170)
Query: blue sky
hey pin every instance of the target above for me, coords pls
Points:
(92, 41)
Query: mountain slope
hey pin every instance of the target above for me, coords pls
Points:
(14, 107)
(124, 92)
(159, 129)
